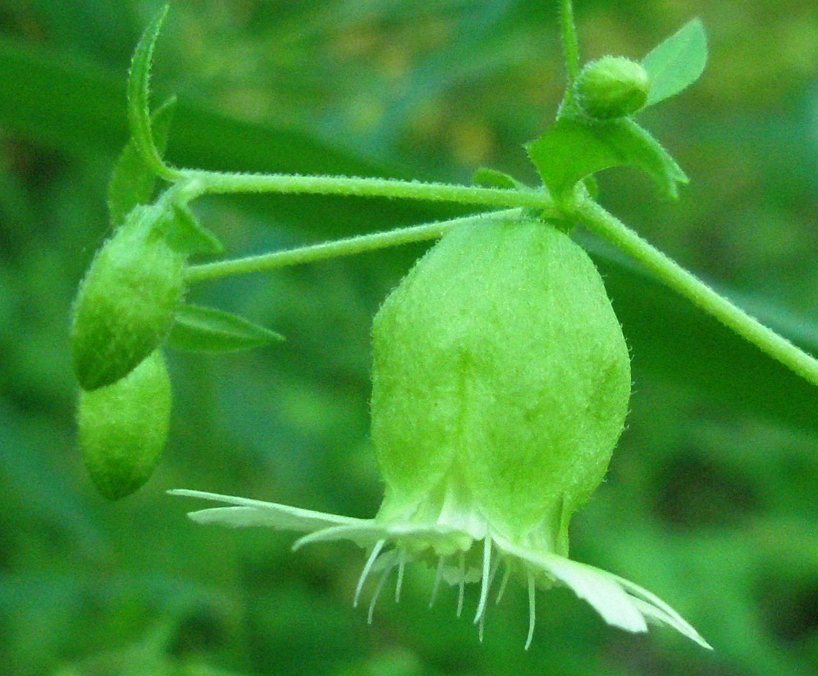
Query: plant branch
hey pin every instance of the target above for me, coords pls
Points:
(337, 248)
(689, 286)
(210, 183)
(570, 42)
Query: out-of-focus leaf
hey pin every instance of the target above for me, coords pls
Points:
(677, 62)
(206, 329)
(673, 340)
(30, 475)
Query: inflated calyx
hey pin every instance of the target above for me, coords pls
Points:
(126, 302)
(501, 382)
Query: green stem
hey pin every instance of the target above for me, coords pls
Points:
(208, 182)
(570, 42)
(686, 284)
(334, 249)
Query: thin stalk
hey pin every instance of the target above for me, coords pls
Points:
(692, 288)
(337, 248)
(570, 41)
(211, 183)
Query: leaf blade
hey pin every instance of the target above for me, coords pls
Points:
(205, 329)
(188, 236)
(677, 62)
(139, 116)
(572, 149)
(133, 181)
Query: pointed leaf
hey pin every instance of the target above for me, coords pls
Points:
(205, 329)
(572, 149)
(187, 235)
(486, 177)
(139, 116)
(133, 181)
(676, 63)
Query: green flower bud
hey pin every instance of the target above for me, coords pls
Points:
(611, 87)
(501, 382)
(123, 428)
(125, 303)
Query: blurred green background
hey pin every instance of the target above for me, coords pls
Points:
(712, 497)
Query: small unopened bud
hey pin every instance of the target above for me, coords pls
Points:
(123, 428)
(612, 87)
(126, 302)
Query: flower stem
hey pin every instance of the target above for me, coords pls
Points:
(570, 42)
(686, 284)
(337, 248)
(209, 183)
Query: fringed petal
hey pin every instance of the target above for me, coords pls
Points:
(591, 584)
(620, 602)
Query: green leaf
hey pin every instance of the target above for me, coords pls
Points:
(486, 177)
(205, 329)
(572, 149)
(187, 235)
(139, 115)
(133, 181)
(676, 63)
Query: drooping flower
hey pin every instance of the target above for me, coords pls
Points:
(501, 383)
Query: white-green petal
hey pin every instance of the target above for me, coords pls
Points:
(620, 602)
(363, 533)
(246, 512)
(660, 612)
(595, 586)
(366, 532)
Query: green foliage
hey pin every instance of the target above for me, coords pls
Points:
(188, 236)
(205, 329)
(487, 177)
(573, 149)
(718, 464)
(139, 114)
(133, 180)
(677, 62)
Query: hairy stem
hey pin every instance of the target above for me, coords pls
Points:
(570, 42)
(207, 182)
(683, 282)
(337, 248)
